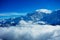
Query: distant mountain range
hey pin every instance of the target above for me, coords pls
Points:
(41, 17)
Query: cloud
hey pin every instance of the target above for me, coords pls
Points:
(30, 32)
(44, 11)
(11, 14)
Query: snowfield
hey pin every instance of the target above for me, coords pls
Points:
(30, 32)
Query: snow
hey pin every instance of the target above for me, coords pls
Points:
(44, 11)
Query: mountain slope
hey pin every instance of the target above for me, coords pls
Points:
(42, 16)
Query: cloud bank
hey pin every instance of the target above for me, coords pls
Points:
(30, 32)
(11, 14)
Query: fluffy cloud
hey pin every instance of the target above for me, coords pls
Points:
(32, 32)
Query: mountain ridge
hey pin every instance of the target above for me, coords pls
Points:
(51, 18)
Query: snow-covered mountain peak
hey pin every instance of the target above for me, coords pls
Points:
(22, 22)
(44, 11)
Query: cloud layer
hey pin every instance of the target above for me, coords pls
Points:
(11, 14)
(32, 32)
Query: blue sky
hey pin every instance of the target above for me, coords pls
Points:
(22, 6)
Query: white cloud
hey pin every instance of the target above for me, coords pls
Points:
(11, 14)
(32, 32)
(44, 11)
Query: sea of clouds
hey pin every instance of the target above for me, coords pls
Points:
(29, 31)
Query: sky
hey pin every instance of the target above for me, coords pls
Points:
(23, 6)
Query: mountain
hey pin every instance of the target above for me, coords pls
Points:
(41, 16)
(53, 18)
